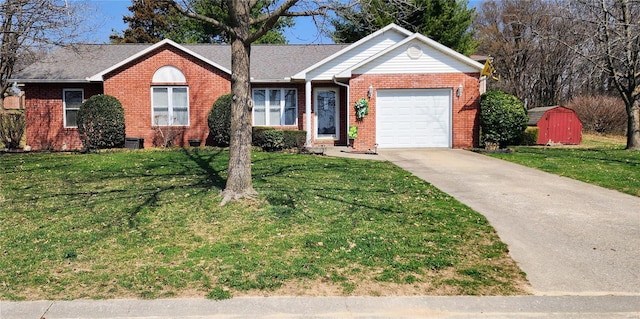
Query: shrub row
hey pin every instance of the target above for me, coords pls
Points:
(271, 139)
(267, 138)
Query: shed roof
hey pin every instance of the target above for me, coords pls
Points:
(78, 63)
(536, 113)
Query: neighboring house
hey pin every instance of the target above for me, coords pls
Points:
(420, 93)
(14, 102)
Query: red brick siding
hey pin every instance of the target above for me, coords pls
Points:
(465, 122)
(45, 119)
(132, 83)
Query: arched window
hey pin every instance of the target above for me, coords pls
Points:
(168, 74)
(169, 101)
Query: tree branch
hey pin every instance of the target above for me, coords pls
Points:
(200, 17)
(268, 20)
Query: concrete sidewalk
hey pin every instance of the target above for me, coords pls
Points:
(571, 238)
(333, 307)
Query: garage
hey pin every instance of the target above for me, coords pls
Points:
(413, 118)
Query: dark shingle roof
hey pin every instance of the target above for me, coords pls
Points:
(536, 113)
(79, 62)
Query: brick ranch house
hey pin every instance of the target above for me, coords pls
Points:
(420, 93)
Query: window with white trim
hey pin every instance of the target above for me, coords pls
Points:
(71, 101)
(275, 107)
(170, 105)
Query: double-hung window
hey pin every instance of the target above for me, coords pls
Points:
(275, 107)
(170, 105)
(71, 101)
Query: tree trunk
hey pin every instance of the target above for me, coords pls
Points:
(239, 183)
(633, 125)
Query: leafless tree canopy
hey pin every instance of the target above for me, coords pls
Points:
(548, 52)
(27, 27)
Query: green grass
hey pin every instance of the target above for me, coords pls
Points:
(147, 224)
(601, 161)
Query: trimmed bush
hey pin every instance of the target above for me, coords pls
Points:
(294, 139)
(257, 135)
(273, 140)
(101, 123)
(219, 120)
(270, 139)
(530, 136)
(11, 129)
(503, 118)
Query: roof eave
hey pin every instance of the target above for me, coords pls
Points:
(26, 81)
(285, 80)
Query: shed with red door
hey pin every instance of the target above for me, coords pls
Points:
(556, 124)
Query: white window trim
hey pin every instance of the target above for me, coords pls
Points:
(283, 92)
(64, 105)
(170, 97)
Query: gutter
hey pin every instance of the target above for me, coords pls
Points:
(348, 103)
(86, 80)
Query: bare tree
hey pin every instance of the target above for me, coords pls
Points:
(28, 27)
(245, 28)
(531, 64)
(609, 31)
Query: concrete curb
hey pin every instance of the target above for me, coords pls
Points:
(333, 307)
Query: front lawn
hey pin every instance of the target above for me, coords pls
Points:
(147, 224)
(601, 161)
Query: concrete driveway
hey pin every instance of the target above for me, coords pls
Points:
(571, 238)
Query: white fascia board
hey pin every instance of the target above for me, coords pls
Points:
(303, 74)
(99, 77)
(451, 52)
(429, 42)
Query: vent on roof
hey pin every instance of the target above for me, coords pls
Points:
(414, 52)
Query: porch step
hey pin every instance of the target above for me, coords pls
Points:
(317, 150)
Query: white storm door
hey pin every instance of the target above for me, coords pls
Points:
(327, 114)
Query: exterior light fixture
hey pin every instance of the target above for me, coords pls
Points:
(370, 92)
(459, 91)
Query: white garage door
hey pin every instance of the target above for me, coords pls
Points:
(413, 118)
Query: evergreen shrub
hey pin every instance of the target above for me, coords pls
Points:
(101, 123)
(219, 120)
(503, 118)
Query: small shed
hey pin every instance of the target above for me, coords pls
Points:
(556, 124)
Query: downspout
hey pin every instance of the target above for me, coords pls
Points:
(347, 119)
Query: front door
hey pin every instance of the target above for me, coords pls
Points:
(326, 107)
